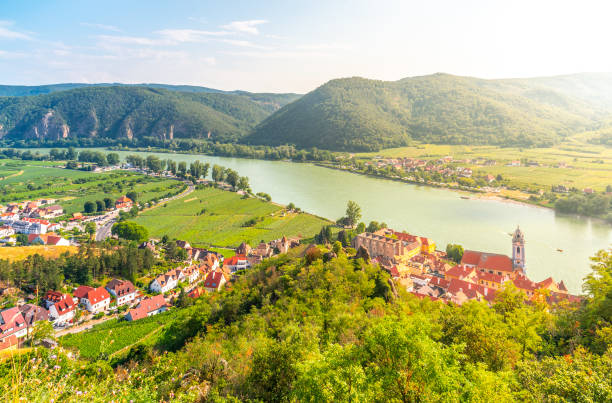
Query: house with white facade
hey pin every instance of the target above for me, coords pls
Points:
(62, 311)
(123, 290)
(12, 324)
(96, 300)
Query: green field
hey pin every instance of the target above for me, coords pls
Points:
(221, 223)
(112, 336)
(589, 165)
(28, 180)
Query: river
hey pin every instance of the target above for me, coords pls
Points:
(439, 214)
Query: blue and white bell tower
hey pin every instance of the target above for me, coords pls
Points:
(518, 250)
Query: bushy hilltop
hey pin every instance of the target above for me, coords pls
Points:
(356, 114)
(126, 112)
(331, 328)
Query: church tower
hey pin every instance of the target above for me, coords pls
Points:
(518, 250)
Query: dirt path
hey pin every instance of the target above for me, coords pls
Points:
(13, 175)
(190, 189)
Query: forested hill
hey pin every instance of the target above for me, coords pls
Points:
(126, 112)
(356, 114)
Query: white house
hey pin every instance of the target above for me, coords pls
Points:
(123, 290)
(62, 311)
(166, 281)
(96, 300)
(12, 324)
(191, 274)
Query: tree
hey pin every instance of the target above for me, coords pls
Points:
(131, 231)
(171, 166)
(182, 168)
(22, 239)
(89, 207)
(100, 206)
(112, 158)
(71, 154)
(154, 163)
(43, 329)
(353, 213)
(231, 177)
(132, 195)
(243, 184)
(218, 173)
(454, 252)
(91, 228)
(108, 203)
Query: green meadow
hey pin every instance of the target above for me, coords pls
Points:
(215, 217)
(28, 180)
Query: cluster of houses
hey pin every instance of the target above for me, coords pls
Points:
(246, 256)
(29, 217)
(415, 264)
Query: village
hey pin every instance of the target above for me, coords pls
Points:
(204, 271)
(415, 264)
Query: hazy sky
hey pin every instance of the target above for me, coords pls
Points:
(295, 46)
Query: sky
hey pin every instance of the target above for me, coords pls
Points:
(296, 46)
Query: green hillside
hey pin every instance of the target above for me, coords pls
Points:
(356, 114)
(129, 112)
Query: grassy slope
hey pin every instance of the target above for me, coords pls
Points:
(112, 336)
(221, 225)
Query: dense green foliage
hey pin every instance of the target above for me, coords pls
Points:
(131, 231)
(307, 330)
(356, 114)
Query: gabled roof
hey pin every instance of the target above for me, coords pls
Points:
(459, 271)
(65, 305)
(213, 279)
(33, 313)
(124, 199)
(11, 319)
(120, 287)
(81, 291)
(53, 296)
(492, 261)
(147, 306)
(97, 294)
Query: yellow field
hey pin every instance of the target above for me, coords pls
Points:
(22, 252)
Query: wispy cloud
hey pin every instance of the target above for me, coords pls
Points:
(247, 27)
(244, 44)
(7, 33)
(189, 35)
(128, 40)
(105, 27)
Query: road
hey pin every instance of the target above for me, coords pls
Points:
(104, 231)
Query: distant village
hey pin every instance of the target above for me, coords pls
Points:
(415, 264)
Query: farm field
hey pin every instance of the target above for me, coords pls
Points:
(22, 180)
(213, 217)
(21, 252)
(589, 165)
(111, 337)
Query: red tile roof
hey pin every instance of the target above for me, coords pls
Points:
(65, 305)
(213, 280)
(81, 291)
(97, 294)
(459, 272)
(147, 306)
(492, 261)
(12, 321)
